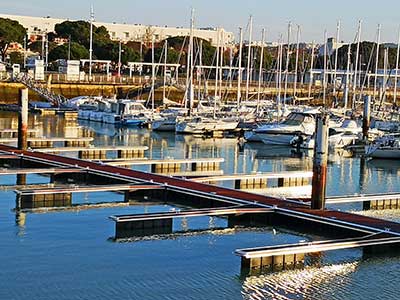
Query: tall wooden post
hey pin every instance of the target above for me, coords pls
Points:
(22, 129)
(23, 120)
(320, 162)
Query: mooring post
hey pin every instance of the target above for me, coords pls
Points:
(22, 129)
(320, 162)
(366, 117)
(23, 120)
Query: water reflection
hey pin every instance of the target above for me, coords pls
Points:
(310, 283)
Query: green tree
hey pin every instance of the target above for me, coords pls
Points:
(61, 52)
(79, 31)
(16, 58)
(10, 31)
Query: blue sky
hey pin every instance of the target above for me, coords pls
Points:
(313, 15)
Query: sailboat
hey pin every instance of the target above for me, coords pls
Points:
(201, 123)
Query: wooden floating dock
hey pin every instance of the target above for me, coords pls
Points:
(88, 189)
(174, 166)
(284, 213)
(291, 256)
(161, 223)
(371, 201)
(42, 142)
(261, 180)
(62, 196)
(39, 171)
(94, 152)
(13, 133)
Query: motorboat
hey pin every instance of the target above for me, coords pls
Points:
(283, 133)
(387, 147)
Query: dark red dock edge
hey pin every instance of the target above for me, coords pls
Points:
(206, 188)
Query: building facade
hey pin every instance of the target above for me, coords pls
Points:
(126, 32)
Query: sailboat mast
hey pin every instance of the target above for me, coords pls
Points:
(378, 39)
(346, 91)
(189, 68)
(165, 66)
(239, 76)
(200, 69)
(297, 62)
(311, 69)
(260, 72)
(356, 66)
(221, 63)
(325, 67)
(287, 60)
(153, 75)
(216, 68)
(91, 42)
(336, 57)
(280, 76)
(397, 67)
(248, 57)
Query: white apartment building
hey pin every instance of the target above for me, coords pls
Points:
(127, 32)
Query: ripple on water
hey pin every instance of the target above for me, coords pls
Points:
(309, 283)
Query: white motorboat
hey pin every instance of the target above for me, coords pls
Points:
(336, 140)
(282, 133)
(387, 147)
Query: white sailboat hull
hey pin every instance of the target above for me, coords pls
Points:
(204, 127)
(164, 125)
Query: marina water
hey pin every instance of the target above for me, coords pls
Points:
(71, 254)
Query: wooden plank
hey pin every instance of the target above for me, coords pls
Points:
(92, 148)
(362, 198)
(190, 213)
(40, 171)
(46, 139)
(121, 162)
(318, 246)
(88, 189)
(293, 174)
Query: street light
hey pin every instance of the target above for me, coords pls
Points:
(119, 59)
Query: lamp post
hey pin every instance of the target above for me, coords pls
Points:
(91, 42)
(119, 59)
(69, 47)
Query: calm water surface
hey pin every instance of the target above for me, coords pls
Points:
(72, 254)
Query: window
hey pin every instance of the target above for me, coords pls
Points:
(126, 34)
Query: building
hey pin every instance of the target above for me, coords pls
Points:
(332, 45)
(126, 32)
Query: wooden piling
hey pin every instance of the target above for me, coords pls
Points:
(320, 162)
(23, 120)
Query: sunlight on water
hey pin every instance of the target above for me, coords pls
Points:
(310, 283)
(386, 214)
(192, 233)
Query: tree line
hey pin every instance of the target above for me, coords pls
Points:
(77, 35)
